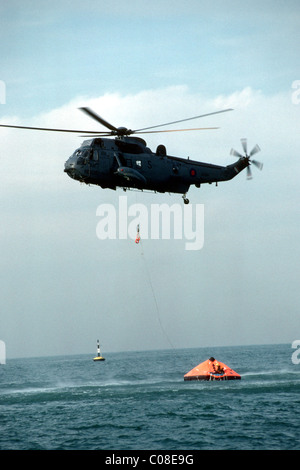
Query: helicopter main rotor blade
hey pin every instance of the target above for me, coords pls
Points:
(119, 131)
(47, 129)
(154, 132)
(96, 134)
(176, 130)
(183, 120)
(98, 118)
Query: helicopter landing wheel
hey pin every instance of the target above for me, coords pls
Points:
(185, 199)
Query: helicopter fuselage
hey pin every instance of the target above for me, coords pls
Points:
(127, 162)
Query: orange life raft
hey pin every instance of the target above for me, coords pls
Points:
(212, 370)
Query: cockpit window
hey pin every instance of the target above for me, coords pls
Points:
(82, 155)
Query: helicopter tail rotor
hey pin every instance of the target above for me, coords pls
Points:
(247, 157)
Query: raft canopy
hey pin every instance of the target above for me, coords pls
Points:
(212, 370)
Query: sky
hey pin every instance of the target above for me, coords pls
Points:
(138, 64)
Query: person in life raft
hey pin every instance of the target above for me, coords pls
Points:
(218, 369)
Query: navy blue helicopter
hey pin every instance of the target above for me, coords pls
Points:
(125, 161)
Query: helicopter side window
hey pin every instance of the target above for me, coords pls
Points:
(95, 155)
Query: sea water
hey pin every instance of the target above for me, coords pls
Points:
(140, 401)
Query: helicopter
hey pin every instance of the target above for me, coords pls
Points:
(126, 162)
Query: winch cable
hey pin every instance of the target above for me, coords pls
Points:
(139, 241)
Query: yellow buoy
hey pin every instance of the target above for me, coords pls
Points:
(99, 357)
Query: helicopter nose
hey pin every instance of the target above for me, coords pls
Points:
(67, 167)
(70, 168)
